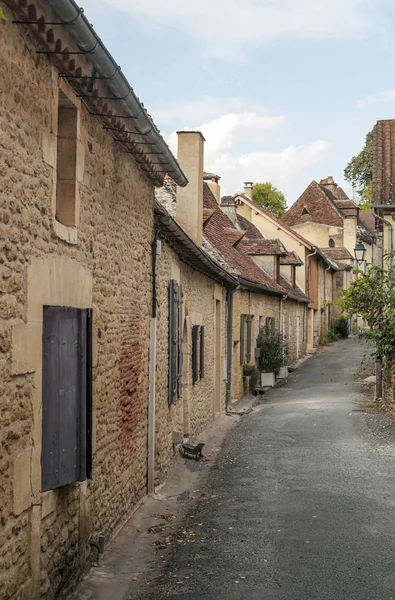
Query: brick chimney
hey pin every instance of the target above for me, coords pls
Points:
(189, 207)
(212, 181)
(248, 185)
(228, 206)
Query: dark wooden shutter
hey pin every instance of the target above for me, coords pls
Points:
(66, 402)
(201, 352)
(173, 322)
(180, 334)
(242, 339)
(195, 366)
(249, 321)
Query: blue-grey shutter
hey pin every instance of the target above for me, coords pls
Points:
(180, 349)
(249, 320)
(242, 339)
(201, 352)
(195, 366)
(173, 321)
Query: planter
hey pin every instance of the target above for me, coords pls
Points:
(247, 384)
(283, 373)
(268, 379)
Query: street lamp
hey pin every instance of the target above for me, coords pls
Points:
(359, 253)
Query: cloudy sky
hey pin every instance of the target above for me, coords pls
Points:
(283, 90)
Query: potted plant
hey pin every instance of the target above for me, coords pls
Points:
(271, 355)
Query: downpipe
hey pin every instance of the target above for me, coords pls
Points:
(152, 374)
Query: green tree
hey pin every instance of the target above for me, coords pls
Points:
(359, 173)
(372, 295)
(268, 196)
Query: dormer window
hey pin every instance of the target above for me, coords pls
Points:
(331, 243)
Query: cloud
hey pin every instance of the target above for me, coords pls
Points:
(380, 98)
(227, 27)
(239, 147)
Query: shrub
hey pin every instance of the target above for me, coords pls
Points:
(272, 350)
(340, 326)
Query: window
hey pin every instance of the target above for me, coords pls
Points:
(270, 322)
(66, 183)
(197, 353)
(176, 301)
(331, 243)
(66, 455)
(305, 211)
(245, 338)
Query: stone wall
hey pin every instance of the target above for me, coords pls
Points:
(197, 407)
(294, 330)
(389, 385)
(104, 263)
(260, 307)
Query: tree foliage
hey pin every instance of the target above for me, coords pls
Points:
(359, 173)
(372, 295)
(268, 196)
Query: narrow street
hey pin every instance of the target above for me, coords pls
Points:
(300, 503)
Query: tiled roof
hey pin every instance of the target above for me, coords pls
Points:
(252, 232)
(281, 223)
(293, 292)
(215, 233)
(368, 220)
(384, 162)
(207, 213)
(340, 253)
(262, 247)
(291, 259)
(321, 207)
(234, 235)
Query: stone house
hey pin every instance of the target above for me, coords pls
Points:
(112, 318)
(316, 274)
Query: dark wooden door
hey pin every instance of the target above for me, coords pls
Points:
(66, 406)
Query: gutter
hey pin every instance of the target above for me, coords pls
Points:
(95, 52)
(389, 225)
(259, 287)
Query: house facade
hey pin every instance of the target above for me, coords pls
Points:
(316, 274)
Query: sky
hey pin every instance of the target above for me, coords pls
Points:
(283, 90)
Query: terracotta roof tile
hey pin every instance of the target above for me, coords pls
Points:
(321, 207)
(384, 162)
(207, 213)
(215, 233)
(262, 247)
(252, 232)
(234, 235)
(291, 259)
(339, 253)
(369, 221)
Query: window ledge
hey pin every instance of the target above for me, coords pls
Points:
(67, 234)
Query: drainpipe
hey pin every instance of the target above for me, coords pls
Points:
(152, 374)
(389, 225)
(281, 313)
(308, 291)
(229, 345)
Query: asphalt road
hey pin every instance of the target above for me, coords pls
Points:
(300, 503)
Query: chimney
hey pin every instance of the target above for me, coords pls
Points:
(228, 206)
(248, 185)
(189, 206)
(212, 181)
(329, 183)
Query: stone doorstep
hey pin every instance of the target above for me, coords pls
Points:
(128, 557)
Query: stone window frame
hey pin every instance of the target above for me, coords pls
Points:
(66, 233)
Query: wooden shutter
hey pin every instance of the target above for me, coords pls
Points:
(242, 339)
(180, 334)
(195, 366)
(201, 352)
(66, 403)
(173, 322)
(249, 321)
